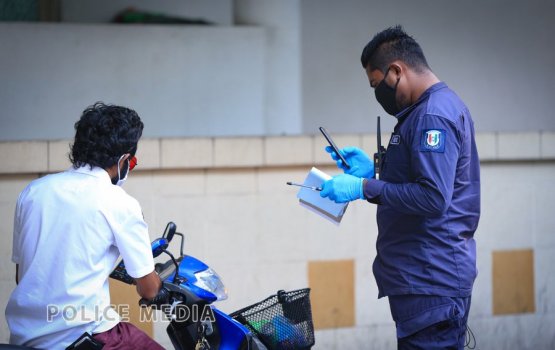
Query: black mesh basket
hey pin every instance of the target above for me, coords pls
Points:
(282, 321)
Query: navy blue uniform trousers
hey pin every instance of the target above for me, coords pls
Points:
(429, 322)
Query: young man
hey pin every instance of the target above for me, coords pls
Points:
(70, 229)
(428, 195)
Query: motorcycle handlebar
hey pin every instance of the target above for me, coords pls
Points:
(161, 298)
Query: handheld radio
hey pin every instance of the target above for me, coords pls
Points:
(378, 156)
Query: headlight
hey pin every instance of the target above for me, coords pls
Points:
(210, 281)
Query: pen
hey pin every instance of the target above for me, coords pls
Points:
(305, 186)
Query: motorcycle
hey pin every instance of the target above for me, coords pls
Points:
(190, 287)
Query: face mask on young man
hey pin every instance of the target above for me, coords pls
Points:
(385, 95)
(123, 172)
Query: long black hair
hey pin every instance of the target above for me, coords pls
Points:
(103, 134)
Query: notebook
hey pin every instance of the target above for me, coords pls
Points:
(311, 199)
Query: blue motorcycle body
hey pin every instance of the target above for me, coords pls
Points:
(191, 284)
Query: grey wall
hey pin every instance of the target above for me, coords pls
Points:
(282, 98)
(183, 81)
(498, 55)
(98, 11)
(296, 69)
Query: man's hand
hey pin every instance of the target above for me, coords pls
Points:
(343, 188)
(361, 164)
(148, 285)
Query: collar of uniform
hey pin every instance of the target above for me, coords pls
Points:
(405, 112)
(95, 171)
(432, 89)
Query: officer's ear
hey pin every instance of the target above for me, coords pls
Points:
(396, 69)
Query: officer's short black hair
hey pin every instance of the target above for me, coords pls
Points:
(103, 134)
(393, 44)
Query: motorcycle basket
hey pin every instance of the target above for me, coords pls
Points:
(282, 321)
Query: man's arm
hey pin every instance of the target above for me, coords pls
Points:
(149, 285)
(132, 241)
(434, 170)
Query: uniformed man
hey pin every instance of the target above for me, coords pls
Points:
(428, 195)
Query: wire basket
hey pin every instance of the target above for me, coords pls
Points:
(282, 321)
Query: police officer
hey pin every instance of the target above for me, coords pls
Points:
(428, 195)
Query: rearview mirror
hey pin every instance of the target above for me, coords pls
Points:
(169, 232)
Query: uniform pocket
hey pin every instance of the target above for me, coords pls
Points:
(413, 313)
(395, 166)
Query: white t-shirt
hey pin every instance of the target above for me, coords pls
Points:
(69, 231)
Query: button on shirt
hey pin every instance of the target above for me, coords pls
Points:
(69, 230)
(429, 196)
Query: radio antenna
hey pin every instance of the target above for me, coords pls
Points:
(379, 141)
(380, 152)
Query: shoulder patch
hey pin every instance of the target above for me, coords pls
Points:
(433, 140)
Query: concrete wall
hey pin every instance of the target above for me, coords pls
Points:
(298, 69)
(282, 98)
(493, 53)
(240, 217)
(183, 81)
(103, 11)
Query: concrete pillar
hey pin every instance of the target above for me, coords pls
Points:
(281, 18)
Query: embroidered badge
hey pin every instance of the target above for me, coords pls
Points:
(395, 140)
(433, 140)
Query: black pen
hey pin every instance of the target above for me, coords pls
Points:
(305, 186)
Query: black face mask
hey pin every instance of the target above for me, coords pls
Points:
(385, 95)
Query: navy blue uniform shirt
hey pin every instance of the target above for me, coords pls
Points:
(429, 200)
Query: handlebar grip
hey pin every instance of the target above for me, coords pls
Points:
(161, 298)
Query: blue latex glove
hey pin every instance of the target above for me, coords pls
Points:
(343, 188)
(361, 164)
